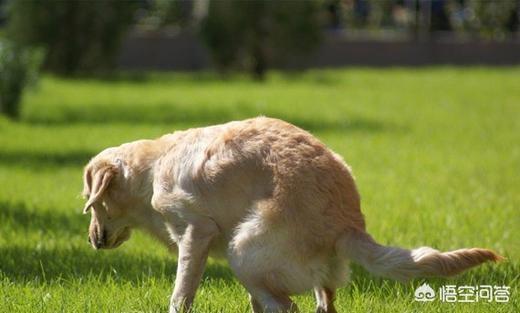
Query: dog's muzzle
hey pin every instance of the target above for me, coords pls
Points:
(102, 240)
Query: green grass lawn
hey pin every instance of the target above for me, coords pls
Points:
(436, 154)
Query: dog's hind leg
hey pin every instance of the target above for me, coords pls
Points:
(337, 275)
(267, 293)
(270, 303)
(262, 262)
(324, 300)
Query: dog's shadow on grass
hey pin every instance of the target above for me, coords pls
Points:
(42, 262)
(44, 259)
(41, 265)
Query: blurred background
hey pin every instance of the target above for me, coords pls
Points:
(421, 98)
(78, 38)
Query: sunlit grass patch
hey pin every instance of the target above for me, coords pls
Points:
(435, 152)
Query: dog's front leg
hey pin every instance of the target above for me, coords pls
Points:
(193, 252)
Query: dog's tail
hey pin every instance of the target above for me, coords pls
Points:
(402, 264)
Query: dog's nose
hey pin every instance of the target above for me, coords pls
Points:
(98, 239)
(97, 244)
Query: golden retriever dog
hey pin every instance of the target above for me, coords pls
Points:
(271, 198)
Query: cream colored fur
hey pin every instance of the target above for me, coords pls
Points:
(268, 196)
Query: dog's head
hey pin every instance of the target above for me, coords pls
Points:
(109, 185)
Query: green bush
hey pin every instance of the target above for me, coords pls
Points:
(254, 35)
(79, 36)
(18, 69)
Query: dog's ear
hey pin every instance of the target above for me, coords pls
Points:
(95, 183)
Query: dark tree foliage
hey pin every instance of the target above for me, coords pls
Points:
(492, 17)
(440, 20)
(78, 36)
(257, 34)
(18, 69)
